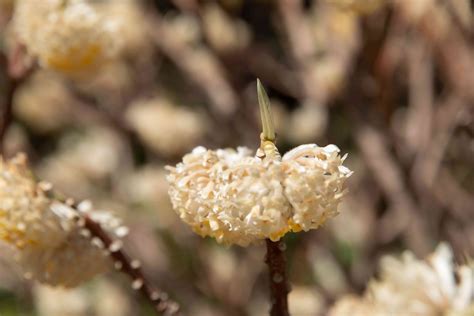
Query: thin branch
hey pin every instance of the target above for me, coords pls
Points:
(6, 110)
(421, 95)
(199, 64)
(17, 71)
(451, 49)
(159, 299)
(389, 176)
(276, 262)
(303, 50)
(428, 162)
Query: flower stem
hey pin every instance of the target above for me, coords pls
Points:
(279, 290)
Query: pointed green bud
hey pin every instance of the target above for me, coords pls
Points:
(268, 129)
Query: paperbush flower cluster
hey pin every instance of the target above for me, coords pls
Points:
(70, 36)
(44, 103)
(46, 235)
(240, 199)
(412, 287)
(160, 123)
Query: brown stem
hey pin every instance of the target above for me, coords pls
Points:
(276, 262)
(6, 111)
(17, 71)
(159, 299)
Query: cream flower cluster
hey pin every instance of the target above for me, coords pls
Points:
(46, 235)
(159, 123)
(412, 287)
(69, 36)
(240, 199)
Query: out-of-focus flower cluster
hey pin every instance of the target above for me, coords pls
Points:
(46, 235)
(412, 287)
(44, 110)
(71, 37)
(101, 298)
(160, 124)
(240, 199)
(82, 162)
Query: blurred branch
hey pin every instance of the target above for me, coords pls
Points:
(429, 160)
(303, 48)
(259, 61)
(453, 51)
(17, 70)
(114, 119)
(6, 110)
(418, 127)
(199, 64)
(187, 5)
(449, 193)
(388, 175)
(300, 44)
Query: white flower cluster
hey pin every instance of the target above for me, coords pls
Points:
(412, 287)
(49, 242)
(69, 36)
(240, 199)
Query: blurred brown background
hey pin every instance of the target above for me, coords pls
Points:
(390, 82)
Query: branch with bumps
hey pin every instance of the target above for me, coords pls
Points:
(113, 247)
(122, 262)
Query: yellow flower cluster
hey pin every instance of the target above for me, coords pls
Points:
(240, 199)
(46, 235)
(412, 287)
(69, 36)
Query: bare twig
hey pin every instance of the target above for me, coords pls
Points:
(300, 45)
(199, 64)
(159, 299)
(389, 176)
(303, 51)
(429, 161)
(455, 198)
(421, 94)
(276, 262)
(453, 52)
(6, 110)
